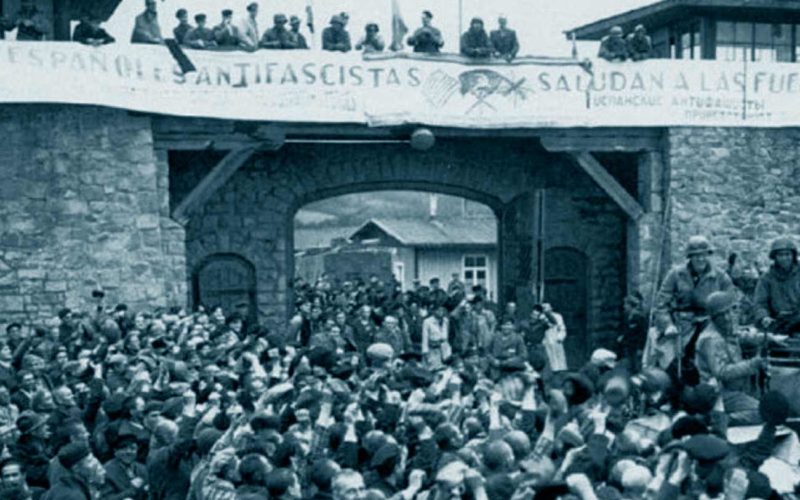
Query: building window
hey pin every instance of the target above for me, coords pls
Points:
(690, 42)
(399, 271)
(737, 41)
(476, 271)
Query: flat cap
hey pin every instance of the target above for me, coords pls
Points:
(72, 453)
(380, 352)
(706, 448)
(206, 440)
(604, 357)
(28, 421)
(279, 480)
(386, 454)
(117, 359)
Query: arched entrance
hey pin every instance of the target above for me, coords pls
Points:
(566, 289)
(401, 236)
(226, 280)
(252, 214)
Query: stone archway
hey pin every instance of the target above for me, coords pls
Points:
(251, 213)
(496, 206)
(227, 280)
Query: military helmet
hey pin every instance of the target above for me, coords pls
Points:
(698, 245)
(780, 244)
(719, 302)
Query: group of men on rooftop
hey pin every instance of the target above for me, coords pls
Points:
(32, 25)
(502, 43)
(246, 35)
(616, 47)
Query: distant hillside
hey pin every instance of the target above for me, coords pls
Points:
(352, 210)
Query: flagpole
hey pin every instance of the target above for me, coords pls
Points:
(574, 46)
(312, 35)
(460, 17)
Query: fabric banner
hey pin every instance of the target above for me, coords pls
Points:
(394, 89)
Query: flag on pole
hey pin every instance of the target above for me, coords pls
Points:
(180, 56)
(399, 28)
(310, 17)
(310, 23)
(574, 45)
(460, 17)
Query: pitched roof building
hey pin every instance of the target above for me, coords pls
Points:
(730, 30)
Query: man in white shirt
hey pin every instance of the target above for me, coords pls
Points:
(435, 333)
(248, 30)
(554, 339)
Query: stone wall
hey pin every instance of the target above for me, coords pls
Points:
(252, 214)
(86, 203)
(583, 217)
(83, 206)
(740, 187)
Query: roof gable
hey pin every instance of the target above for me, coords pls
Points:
(432, 232)
(666, 12)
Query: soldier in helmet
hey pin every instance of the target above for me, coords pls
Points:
(778, 291)
(718, 358)
(613, 46)
(639, 44)
(680, 307)
(278, 37)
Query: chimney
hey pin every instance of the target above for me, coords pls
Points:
(434, 205)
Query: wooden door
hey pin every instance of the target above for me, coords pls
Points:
(566, 289)
(226, 280)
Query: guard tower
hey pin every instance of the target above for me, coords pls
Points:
(728, 30)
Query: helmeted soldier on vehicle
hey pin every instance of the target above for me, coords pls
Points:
(719, 360)
(778, 291)
(682, 300)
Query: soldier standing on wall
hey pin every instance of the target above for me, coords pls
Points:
(30, 22)
(299, 40)
(427, 39)
(475, 42)
(613, 46)
(639, 44)
(504, 40)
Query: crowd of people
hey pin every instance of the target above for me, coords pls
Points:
(371, 393)
(247, 35)
(286, 34)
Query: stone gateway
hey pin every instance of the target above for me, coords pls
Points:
(137, 204)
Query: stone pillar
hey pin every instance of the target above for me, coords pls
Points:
(517, 253)
(62, 13)
(80, 210)
(173, 238)
(740, 187)
(645, 237)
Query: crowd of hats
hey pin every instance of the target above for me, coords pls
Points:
(213, 403)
